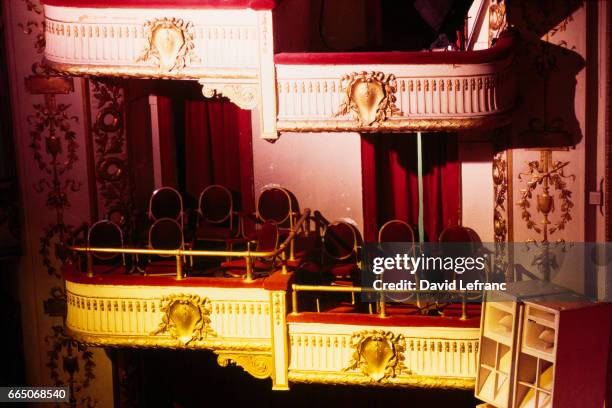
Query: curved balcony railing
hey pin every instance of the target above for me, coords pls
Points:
(396, 91)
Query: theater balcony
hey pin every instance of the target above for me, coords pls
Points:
(228, 47)
(275, 324)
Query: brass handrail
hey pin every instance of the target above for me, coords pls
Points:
(179, 253)
(358, 289)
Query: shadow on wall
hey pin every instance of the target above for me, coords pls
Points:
(547, 67)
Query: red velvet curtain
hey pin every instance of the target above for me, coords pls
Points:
(204, 142)
(218, 148)
(390, 183)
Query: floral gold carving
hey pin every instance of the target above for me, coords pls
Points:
(243, 95)
(378, 354)
(550, 177)
(497, 18)
(110, 150)
(370, 96)
(186, 318)
(500, 223)
(547, 174)
(169, 43)
(258, 365)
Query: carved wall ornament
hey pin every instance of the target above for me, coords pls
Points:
(110, 150)
(170, 43)
(378, 354)
(258, 365)
(186, 318)
(547, 174)
(500, 212)
(497, 19)
(245, 96)
(72, 365)
(550, 177)
(370, 96)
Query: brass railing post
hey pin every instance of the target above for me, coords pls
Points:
(463, 308)
(179, 267)
(90, 268)
(294, 300)
(284, 270)
(292, 250)
(249, 269)
(382, 312)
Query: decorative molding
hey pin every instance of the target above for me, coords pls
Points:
(246, 96)
(500, 214)
(170, 43)
(369, 96)
(67, 357)
(311, 351)
(547, 174)
(400, 125)
(497, 19)
(412, 381)
(189, 43)
(186, 318)
(260, 366)
(54, 147)
(110, 154)
(132, 318)
(148, 342)
(147, 72)
(378, 354)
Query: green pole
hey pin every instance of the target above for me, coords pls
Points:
(420, 181)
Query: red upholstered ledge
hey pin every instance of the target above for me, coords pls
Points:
(503, 48)
(176, 4)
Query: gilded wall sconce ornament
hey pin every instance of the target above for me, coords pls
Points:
(170, 43)
(186, 318)
(370, 96)
(378, 354)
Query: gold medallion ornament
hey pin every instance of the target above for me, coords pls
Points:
(169, 43)
(370, 96)
(186, 318)
(378, 354)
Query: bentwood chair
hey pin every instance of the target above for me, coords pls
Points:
(166, 202)
(399, 236)
(459, 241)
(217, 217)
(279, 205)
(396, 231)
(106, 234)
(342, 244)
(165, 233)
(267, 241)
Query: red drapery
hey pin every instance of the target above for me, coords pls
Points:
(390, 184)
(214, 146)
